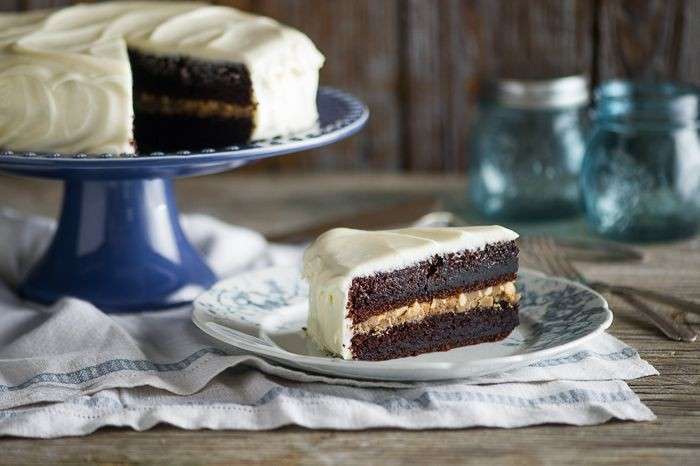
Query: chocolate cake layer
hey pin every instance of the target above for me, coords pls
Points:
(191, 78)
(176, 132)
(437, 333)
(437, 277)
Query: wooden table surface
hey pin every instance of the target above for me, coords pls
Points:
(274, 204)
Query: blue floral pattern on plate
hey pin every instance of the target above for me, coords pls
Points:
(264, 312)
(250, 298)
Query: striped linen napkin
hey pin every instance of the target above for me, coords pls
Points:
(69, 369)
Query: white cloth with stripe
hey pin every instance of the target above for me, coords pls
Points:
(69, 369)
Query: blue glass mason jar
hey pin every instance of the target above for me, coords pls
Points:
(527, 148)
(640, 179)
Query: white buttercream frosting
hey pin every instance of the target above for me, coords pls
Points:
(342, 254)
(65, 81)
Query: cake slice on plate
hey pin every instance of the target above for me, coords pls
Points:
(377, 295)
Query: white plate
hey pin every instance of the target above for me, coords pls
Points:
(264, 312)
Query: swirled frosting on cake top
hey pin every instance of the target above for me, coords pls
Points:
(65, 82)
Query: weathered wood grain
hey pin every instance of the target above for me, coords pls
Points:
(360, 41)
(452, 47)
(531, 39)
(274, 203)
(689, 62)
(615, 443)
(37, 4)
(649, 39)
(10, 5)
(422, 84)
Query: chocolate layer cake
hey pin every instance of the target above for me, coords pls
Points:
(396, 293)
(114, 76)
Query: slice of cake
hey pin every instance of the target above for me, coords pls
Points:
(154, 76)
(378, 295)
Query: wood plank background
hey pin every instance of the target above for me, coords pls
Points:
(419, 64)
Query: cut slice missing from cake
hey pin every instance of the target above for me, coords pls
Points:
(154, 76)
(396, 293)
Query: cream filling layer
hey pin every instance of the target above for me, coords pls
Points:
(203, 108)
(457, 303)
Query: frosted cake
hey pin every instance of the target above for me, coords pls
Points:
(114, 76)
(377, 295)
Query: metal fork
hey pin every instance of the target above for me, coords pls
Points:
(444, 218)
(680, 303)
(558, 264)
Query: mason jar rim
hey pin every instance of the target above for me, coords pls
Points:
(566, 91)
(628, 100)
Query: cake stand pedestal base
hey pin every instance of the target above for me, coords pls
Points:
(120, 246)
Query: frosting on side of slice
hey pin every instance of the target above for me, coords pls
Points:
(341, 254)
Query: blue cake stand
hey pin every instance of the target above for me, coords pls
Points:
(119, 243)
